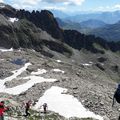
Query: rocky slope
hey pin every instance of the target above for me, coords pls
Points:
(91, 78)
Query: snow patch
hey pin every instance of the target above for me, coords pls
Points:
(13, 19)
(59, 61)
(66, 105)
(58, 70)
(15, 74)
(2, 6)
(6, 50)
(87, 64)
(39, 72)
(1, 59)
(32, 80)
(24, 87)
(90, 62)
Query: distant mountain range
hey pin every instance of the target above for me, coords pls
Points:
(59, 14)
(108, 32)
(107, 17)
(86, 27)
(89, 24)
(92, 23)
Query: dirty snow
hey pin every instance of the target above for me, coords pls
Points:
(13, 19)
(40, 71)
(58, 70)
(65, 105)
(6, 50)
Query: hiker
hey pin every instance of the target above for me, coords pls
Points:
(116, 95)
(45, 107)
(27, 107)
(2, 110)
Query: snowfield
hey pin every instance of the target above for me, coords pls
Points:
(64, 104)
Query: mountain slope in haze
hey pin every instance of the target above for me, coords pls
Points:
(107, 17)
(83, 27)
(92, 23)
(68, 25)
(59, 13)
(109, 32)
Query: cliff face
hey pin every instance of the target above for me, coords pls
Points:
(44, 20)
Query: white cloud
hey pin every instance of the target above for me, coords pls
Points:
(25, 4)
(66, 2)
(1, 1)
(117, 6)
(54, 8)
(30, 2)
(108, 8)
(44, 4)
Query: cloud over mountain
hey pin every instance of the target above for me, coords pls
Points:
(76, 2)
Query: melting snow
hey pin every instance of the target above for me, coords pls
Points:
(6, 50)
(58, 70)
(13, 19)
(65, 105)
(40, 71)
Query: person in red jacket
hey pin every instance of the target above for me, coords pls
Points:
(2, 110)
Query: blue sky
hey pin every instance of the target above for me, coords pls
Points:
(66, 5)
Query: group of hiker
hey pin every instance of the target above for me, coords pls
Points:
(26, 106)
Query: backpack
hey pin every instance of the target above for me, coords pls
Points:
(117, 94)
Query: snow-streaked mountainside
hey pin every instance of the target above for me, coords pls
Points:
(74, 73)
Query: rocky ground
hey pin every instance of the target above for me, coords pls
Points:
(88, 77)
